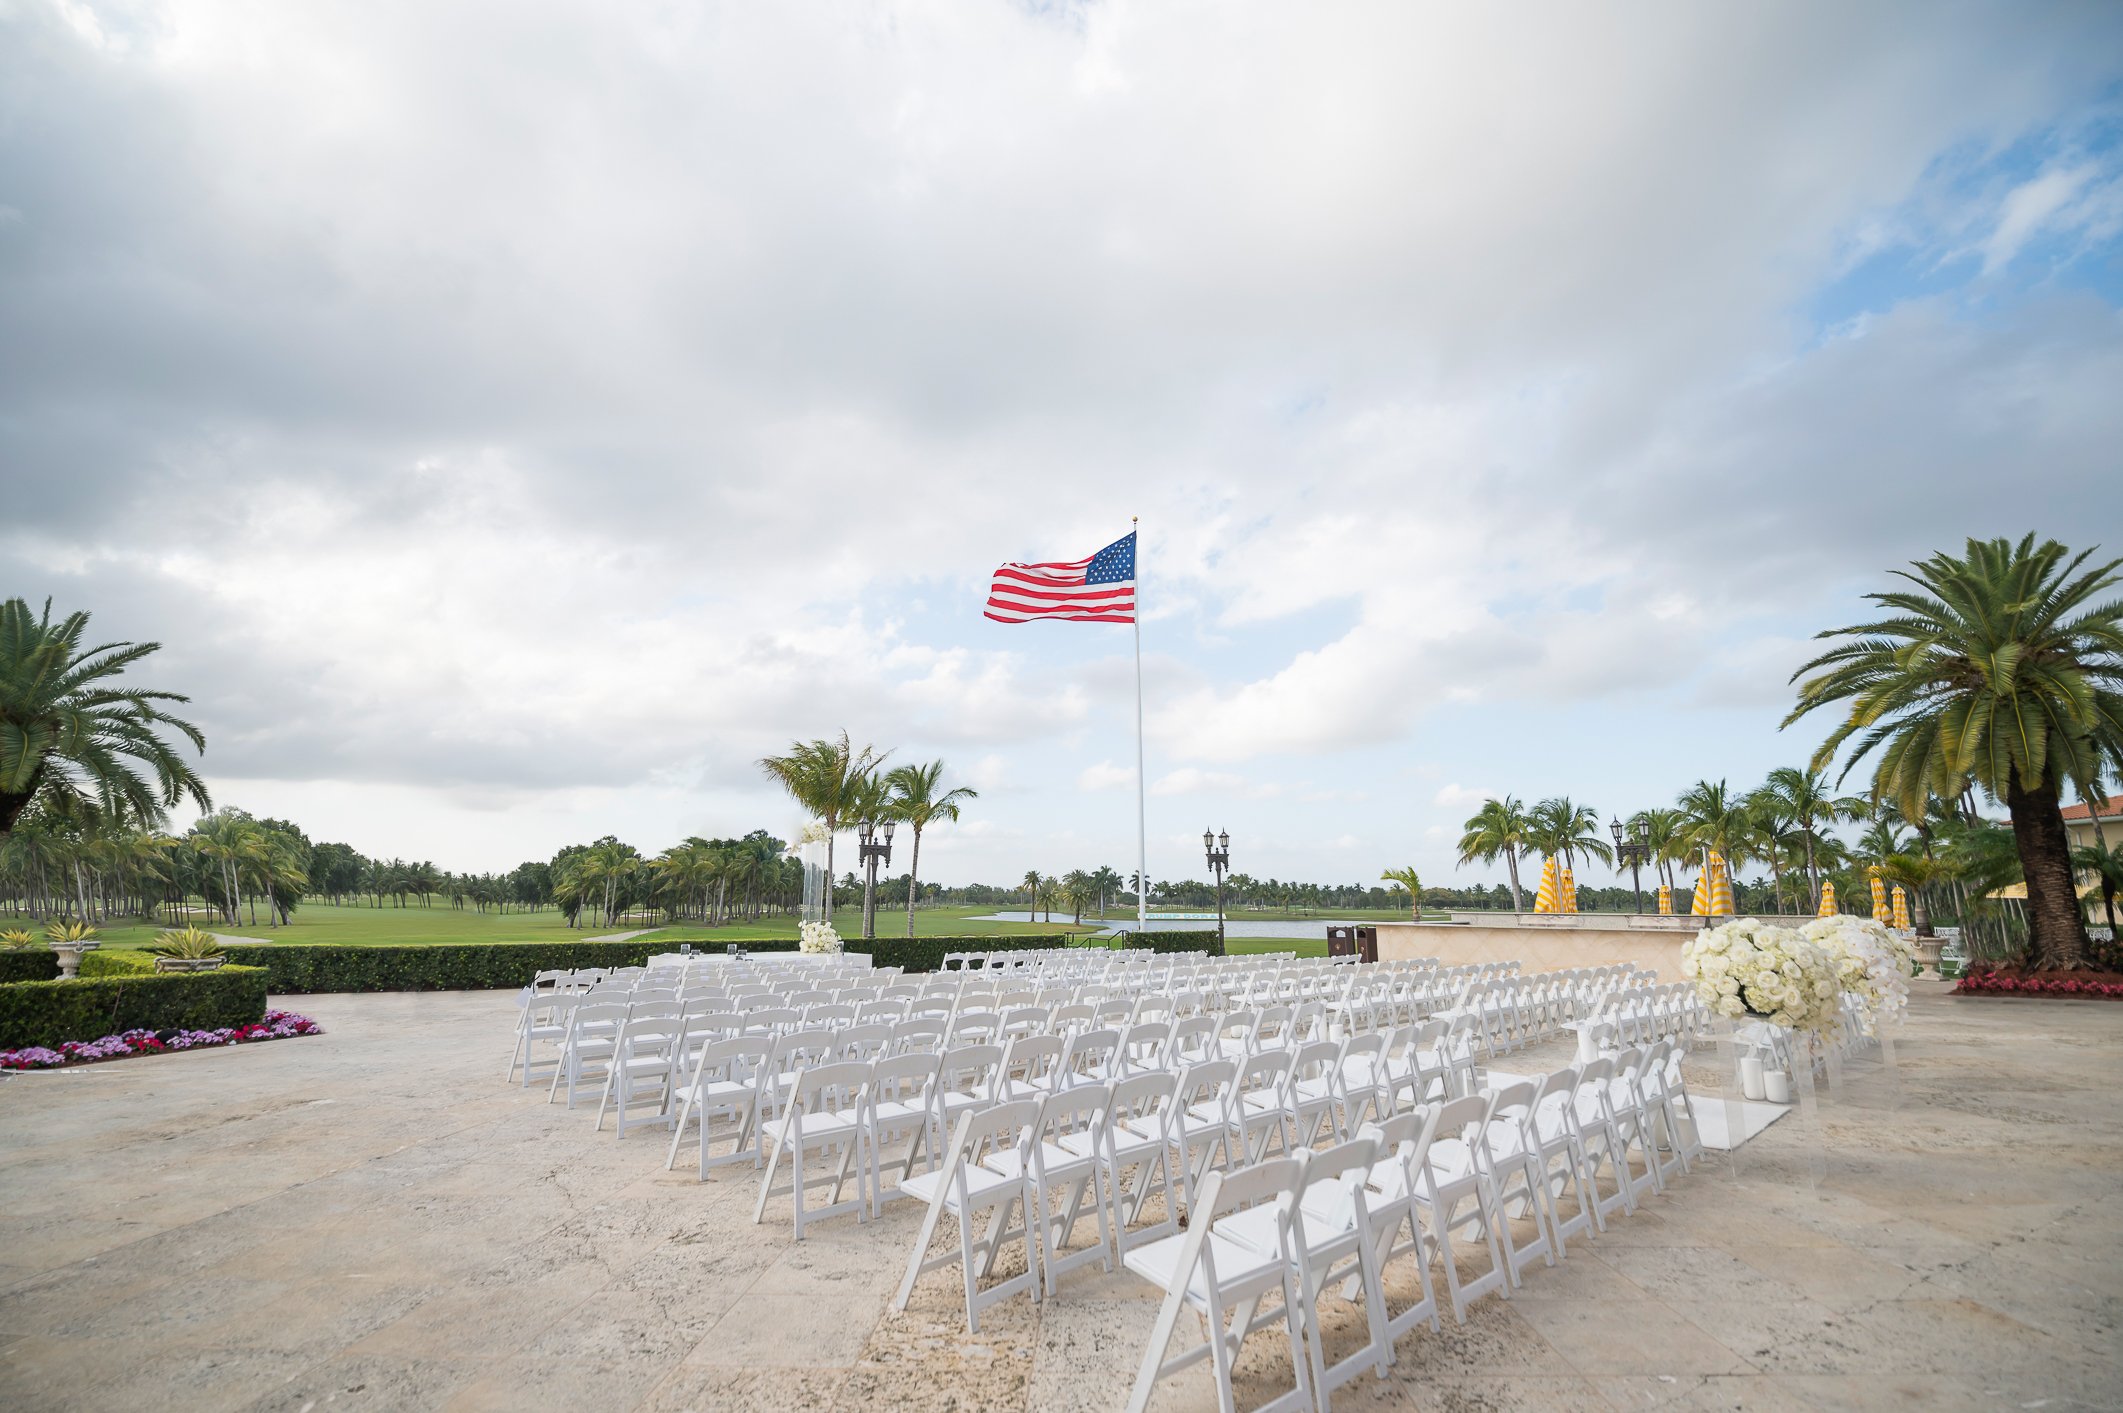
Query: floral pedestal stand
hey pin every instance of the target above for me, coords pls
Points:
(1775, 1049)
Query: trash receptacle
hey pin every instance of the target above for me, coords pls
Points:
(1341, 942)
(1367, 944)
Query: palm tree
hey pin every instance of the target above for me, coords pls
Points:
(1498, 828)
(1916, 872)
(1811, 804)
(1079, 892)
(1713, 818)
(820, 776)
(1108, 880)
(1032, 882)
(1409, 879)
(916, 803)
(2000, 668)
(1566, 830)
(1663, 833)
(1883, 838)
(2106, 865)
(68, 732)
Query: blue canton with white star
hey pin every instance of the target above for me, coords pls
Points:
(1115, 564)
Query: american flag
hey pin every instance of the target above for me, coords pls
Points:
(1100, 589)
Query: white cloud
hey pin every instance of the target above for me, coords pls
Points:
(1106, 776)
(1457, 796)
(561, 425)
(1191, 780)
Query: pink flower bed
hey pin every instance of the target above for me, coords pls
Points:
(277, 1025)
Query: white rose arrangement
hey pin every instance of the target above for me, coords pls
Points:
(819, 939)
(1750, 968)
(1871, 961)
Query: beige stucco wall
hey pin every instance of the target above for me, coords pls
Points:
(1536, 948)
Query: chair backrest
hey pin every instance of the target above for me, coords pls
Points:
(1073, 1111)
(768, 1019)
(970, 1069)
(1143, 1044)
(904, 1077)
(1145, 1099)
(1090, 1054)
(1025, 1020)
(1037, 1057)
(800, 1049)
(739, 1059)
(1267, 1070)
(1208, 1087)
(1315, 1061)
(974, 1027)
(924, 1035)
(865, 1042)
(839, 1087)
(595, 1015)
(831, 1014)
(1192, 1040)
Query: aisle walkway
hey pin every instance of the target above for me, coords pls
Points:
(372, 1220)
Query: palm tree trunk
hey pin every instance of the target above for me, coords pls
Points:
(2056, 933)
(1511, 861)
(913, 878)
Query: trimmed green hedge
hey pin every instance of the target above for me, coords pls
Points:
(1176, 942)
(927, 953)
(118, 962)
(28, 964)
(50, 1012)
(295, 968)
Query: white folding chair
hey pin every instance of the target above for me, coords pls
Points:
(981, 1180)
(824, 1112)
(1225, 1281)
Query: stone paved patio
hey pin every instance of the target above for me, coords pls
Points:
(370, 1219)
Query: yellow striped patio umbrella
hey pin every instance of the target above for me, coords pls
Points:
(1666, 900)
(1881, 913)
(1901, 909)
(1550, 896)
(1828, 898)
(1570, 893)
(1713, 889)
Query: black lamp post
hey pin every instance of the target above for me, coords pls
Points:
(873, 850)
(1633, 851)
(1218, 848)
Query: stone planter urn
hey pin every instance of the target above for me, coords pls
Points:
(69, 954)
(189, 963)
(1928, 949)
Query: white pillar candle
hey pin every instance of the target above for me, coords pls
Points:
(1751, 1076)
(1777, 1084)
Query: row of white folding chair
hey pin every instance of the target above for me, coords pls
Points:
(1310, 1220)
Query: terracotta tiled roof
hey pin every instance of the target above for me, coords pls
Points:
(2110, 810)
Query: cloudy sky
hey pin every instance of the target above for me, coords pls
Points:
(516, 418)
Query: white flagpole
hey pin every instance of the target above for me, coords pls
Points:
(1142, 830)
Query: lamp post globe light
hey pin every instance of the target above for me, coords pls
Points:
(873, 850)
(1633, 851)
(1218, 849)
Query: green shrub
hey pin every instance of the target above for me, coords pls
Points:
(927, 953)
(118, 962)
(88, 1008)
(1176, 942)
(296, 968)
(34, 965)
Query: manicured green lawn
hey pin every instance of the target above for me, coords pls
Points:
(356, 926)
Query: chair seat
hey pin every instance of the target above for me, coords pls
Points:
(1237, 1266)
(981, 1182)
